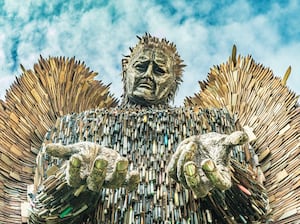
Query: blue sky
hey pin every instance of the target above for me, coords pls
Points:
(100, 32)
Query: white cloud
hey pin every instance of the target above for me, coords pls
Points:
(100, 35)
(5, 81)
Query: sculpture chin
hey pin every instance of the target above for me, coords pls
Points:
(145, 97)
(141, 100)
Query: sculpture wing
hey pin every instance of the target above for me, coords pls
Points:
(56, 86)
(263, 102)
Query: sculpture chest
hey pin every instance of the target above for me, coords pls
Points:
(148, 138)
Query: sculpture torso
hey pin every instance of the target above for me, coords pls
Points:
(148, 138)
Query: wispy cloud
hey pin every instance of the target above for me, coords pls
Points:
(100, 32)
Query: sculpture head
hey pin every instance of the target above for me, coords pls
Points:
(152, 72)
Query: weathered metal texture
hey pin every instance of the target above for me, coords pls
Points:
(148, 138)
(263, 102)
(167, 72)
(55, 87)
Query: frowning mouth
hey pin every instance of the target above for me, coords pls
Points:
(145, 85)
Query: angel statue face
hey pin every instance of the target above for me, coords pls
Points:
(149, 76)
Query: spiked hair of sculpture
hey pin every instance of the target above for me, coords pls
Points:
(169, 49)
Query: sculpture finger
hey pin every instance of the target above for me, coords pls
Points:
(188, 154)
(117, 177)
(196, 180)
(218, 175)
(61, 151)
(73, 171)
(172, 166)
(236, 138)
(97, 175)
(132, 180)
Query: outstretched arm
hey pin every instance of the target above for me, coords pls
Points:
(201, 162)
(75, 188)
(97, 166)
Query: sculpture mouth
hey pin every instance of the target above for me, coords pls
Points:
(146, 86)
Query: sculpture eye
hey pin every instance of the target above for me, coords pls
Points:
(158, 70)
(142, 67)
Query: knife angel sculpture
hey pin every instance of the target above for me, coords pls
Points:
(70, 153)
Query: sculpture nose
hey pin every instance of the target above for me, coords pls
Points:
(149, 71)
